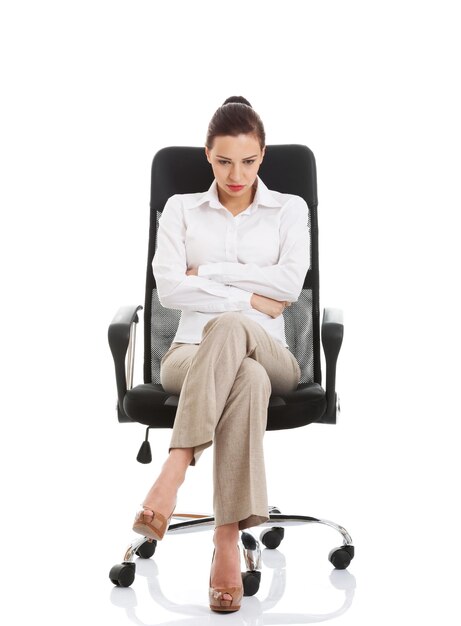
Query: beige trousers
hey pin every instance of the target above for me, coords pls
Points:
(224, 385)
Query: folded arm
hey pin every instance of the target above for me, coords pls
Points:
(282, 281)
(176, 290)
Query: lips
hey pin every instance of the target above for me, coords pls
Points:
(236, 187)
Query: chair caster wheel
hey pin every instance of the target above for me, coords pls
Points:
(272, 537)
(122, 575)
(249, 542)
(251, 581)
(147, 549)
(341, 557)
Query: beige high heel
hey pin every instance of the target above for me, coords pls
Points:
(216, 600)
(153, 528)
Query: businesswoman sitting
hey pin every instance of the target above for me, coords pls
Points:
(231, 259)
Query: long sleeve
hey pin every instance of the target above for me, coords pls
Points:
(283, 280)
(188, 293)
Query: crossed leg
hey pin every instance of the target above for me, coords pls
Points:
(224, 385)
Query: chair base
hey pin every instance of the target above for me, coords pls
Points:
(124, 573)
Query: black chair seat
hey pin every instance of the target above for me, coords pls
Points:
(149, 404)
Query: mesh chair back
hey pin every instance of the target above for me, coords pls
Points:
(285, 168)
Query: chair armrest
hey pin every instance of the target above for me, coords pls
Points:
(332, 338)
(121, 340)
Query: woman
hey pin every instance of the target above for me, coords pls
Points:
(231, 259)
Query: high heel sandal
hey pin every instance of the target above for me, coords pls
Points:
(218, 603)
(153, 527)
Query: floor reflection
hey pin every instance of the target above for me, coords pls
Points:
(254, 611)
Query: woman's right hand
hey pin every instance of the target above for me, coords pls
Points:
(270, 307)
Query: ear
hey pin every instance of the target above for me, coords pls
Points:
(207, 153)
(263, 152)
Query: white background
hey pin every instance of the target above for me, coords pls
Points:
(90, 91)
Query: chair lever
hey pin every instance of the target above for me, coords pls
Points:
(145, 452)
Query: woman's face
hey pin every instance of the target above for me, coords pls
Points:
(235, 162)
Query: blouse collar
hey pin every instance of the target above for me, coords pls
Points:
(263, 197)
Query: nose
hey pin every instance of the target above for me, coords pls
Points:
(234, 174)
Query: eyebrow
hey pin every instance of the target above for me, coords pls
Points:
(219, 156)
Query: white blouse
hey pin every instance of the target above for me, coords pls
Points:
(263, 250)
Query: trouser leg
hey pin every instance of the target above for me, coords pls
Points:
(240, 492)
(212, 389)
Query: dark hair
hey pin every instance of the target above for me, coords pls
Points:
(235, 117)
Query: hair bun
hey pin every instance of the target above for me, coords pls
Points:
(237, 100)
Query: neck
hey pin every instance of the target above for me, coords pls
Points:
(236, 205)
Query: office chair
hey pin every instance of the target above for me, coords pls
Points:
(287, 169)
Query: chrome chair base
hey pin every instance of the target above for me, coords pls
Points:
(123, 574)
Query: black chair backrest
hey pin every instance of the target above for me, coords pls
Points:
(285, 168)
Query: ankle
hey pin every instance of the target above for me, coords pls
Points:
(226, 535)
(176, 464)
